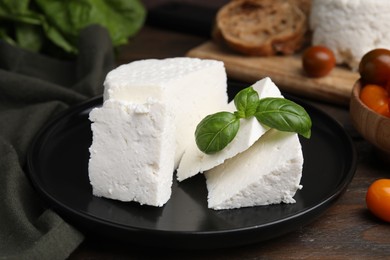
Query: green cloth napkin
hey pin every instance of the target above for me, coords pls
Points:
(33, 89)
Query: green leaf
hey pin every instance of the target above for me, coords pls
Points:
(216, 131)
(60, 22)
(21, 26)
(12, 6)
(28, 36)
(5, 37)
(246, 102)
(284, 115)
(65, 19)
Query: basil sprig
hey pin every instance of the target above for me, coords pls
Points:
(217, 130)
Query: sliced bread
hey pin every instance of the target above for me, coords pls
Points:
(261, 27)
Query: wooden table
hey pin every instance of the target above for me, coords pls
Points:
(345, 231)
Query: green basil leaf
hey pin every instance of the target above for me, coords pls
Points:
(246, 102)
(284, 115)
(216, 131)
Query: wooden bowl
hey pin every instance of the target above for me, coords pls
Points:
(374, 127)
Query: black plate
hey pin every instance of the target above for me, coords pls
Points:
(58, 169)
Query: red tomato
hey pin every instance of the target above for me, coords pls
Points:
(378, 199)
(374, 67)
(318, 61)
(376, 98)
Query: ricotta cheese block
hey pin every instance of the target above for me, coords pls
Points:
(132, 152)
(350, 28)
(195, 161)
(189, 87)
(269, 172)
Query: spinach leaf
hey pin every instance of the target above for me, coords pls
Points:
(122, 18)
(216, 131)
(60, 22)
(28, 36)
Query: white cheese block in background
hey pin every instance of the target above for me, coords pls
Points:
(132, 153)
(269, 172)
(350, 28)
(195, 161)
(192, 88)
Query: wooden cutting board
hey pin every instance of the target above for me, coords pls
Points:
(285, 71)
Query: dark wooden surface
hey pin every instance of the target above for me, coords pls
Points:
(345, 231)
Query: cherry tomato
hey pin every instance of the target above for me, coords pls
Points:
(374, 67)
(376, 98)
(384, 109)
(318, 61)
(378, 199)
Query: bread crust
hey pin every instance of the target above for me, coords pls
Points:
(304, 5)
(261, 27)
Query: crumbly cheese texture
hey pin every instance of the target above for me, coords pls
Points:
(350, 28)
(132, 153)
(191, 88)
(269, 172)
(195, 161)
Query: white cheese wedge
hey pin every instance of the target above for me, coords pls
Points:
(350, 28)
(191, 88)
(132, 153)
(195, 161)
(269, 172)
